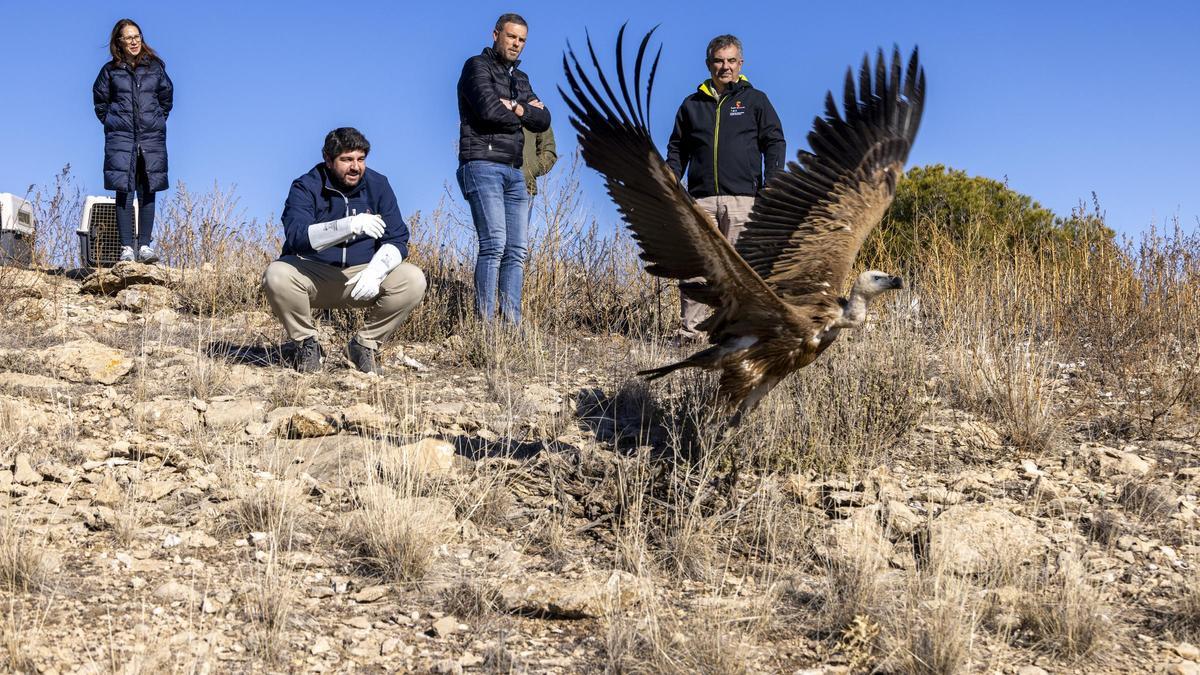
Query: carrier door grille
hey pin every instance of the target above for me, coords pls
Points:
(103, 236)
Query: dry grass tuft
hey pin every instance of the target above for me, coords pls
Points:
(931, 633)
(268, 606)
(853, 588)
(1067, 615)
(470, 598)
(655, 643)
(1150, 503)
(276, 508)
(393, 536)
(22, 569)
(1184, 614)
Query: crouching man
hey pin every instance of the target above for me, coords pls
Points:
(344, 246)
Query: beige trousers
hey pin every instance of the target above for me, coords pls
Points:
(731, 214)
(295, 287)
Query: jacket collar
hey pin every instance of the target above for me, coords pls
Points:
(493, 55)
(709, 89)
(327, 182)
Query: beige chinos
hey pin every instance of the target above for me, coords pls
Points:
(295, 286)
(731, 213)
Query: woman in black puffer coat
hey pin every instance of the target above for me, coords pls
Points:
(133, 97)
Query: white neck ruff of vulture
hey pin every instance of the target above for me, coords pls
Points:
(854, 313)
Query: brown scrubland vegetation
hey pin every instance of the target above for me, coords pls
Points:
(999, 474)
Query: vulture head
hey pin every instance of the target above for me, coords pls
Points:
(873, 282)
(867, 286)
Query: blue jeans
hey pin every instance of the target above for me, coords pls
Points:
(500, 208)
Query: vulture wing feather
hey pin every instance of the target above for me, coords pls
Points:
(810, 220)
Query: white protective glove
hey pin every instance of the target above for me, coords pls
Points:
(323, 235)
(366, 282)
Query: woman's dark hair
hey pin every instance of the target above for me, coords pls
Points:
(118, 53)
(344, 139)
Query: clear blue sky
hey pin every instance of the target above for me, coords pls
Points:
(1060, 98)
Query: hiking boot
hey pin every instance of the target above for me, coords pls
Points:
(127, 254)
(364, 358)
(147, 255)
(307, 357)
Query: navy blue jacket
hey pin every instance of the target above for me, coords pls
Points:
(133, 104)
(314, 199)
(487, 130)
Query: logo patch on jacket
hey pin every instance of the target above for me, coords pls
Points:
(737, 109)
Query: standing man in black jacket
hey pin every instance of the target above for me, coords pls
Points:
(727, 136)
(495, 103)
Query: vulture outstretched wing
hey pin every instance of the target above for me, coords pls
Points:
(678, 239)
(809, 221)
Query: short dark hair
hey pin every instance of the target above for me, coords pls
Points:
(511, 17)
(721, 42)
(345, 139)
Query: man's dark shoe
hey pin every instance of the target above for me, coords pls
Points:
(364, 358)
(308, 355)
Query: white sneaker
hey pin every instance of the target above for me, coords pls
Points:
(127, 254)
(147, 255)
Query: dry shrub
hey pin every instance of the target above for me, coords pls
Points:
(1104, 527)
(1067, 615)
(853, 588)
(1184, 615)
(220, 254)
(653, 642)
(932, 630)
(470, 598)
(19, 640)
(22, 569)
(276, 508)
(393, 536)
(1143, 499)
(855, 403)
(1013, 386)
(269, 604)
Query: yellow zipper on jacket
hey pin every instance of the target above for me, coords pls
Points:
(716, 141)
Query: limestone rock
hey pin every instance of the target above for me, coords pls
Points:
(543, 398)
(173, 591)
(1183, 668)
(234, 414)
(296, 422)
(108, 281)
(428, 455)
(899, 519)
(858, 538)
(31, 385)
(87, 361)
(590, 596)
(29, 283)
(447, 625)
(173, 415)
(364, 419)
(146, 298)
(370, 594)
(23, 471)
(965, 540)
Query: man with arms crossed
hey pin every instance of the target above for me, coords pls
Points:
(344, 246)
(495, 103)
(725, 134)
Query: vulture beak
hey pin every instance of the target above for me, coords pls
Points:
(897, 282)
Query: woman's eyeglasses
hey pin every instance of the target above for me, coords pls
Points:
(131, 40)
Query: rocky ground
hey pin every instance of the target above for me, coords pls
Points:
(176, 500)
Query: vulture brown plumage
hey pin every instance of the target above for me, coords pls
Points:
(775, 299)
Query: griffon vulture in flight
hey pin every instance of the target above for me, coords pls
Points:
(775, 298)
